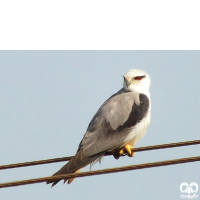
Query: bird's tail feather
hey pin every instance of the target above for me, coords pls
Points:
(75, 164)
(71, 179)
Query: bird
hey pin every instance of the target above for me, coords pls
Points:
(117, 126)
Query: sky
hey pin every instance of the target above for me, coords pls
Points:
(49, 97)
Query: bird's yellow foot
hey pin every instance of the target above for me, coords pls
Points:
(121, 152)
(129, 149)
(126, 149)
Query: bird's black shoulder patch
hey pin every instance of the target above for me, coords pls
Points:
(137, 113)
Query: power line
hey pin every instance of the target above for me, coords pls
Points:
(39, 162)
(147, 148)
(99, 172)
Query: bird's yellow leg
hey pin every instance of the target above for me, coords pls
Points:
(129, 149)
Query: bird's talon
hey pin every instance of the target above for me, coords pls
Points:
(130, 151)
(121, 152)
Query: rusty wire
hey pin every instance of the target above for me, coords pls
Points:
(147, 148)
(99, 172)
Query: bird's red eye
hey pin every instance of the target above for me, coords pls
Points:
(138, 78)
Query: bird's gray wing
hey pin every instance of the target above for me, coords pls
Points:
(111, 124)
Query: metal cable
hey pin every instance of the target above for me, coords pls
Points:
(147, 148)
(98, 172)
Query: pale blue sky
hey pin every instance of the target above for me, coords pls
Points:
(49, 97)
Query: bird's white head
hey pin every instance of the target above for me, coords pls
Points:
(137, 80)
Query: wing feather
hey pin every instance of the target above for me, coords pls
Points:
(102, 133)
